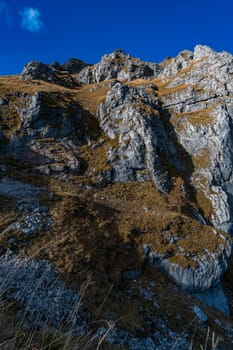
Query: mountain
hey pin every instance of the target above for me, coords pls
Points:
(116, 195)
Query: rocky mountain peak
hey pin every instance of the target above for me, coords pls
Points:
(117, 65)
(122, 170)
(202, 51)
(54, 73)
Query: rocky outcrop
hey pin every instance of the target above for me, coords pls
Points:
(74, 66)
(196, 102)
(171, 66)
(169, 128)
(118, 65)
(51, 73)
(214, 297)
(47, 137)
(40, 71)
(198, 273)
(131, 117)
(200, 107)
(188, 104)
(39, 119)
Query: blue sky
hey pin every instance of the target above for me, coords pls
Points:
(48, 30)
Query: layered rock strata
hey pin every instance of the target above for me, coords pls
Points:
(153, 122)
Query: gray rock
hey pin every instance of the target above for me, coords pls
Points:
(204, 126)
(47, 137)
(208, 272)
(27, 195)
(215, 297)
(43, 299)
(204, 279)
(38, 70)
(169, 340)
(172, 66)
(35, 222)
(132, 117)
(74, 65)
(145, 249)
(34, 217)
(118, 65)
(33, 112)
(39, 120)
(50, 73)
(202, 51)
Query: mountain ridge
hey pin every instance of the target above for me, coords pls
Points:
(135, 159)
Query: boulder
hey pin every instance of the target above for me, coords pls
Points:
(39, 71)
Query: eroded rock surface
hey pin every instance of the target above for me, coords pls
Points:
(131, 117)
(52, 73)
(197, 100)
(43, 298)
(200, 105)
(118, 65)
(116, 123)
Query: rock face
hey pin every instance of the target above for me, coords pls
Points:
(40, 71)
(118, 123)
(201, 113)
(161, 118)
(131, 117)
(199, 106)
(52, 73)
(197, 99)
(40, 120)
(118, 65)
(47, 137)
(74, 66)
(171, 66)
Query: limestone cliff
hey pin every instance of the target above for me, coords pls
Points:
(129, 165)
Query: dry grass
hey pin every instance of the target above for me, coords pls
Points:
(203, 159)
(13, 336)
(9, 84)
(90, 96)
(139, 82)
(92, 232)
(161, 87)
(206, 205)
(92, 229)
(181, 260)
(96, 157)
(183, 72)
(100, 232)
(197, 118)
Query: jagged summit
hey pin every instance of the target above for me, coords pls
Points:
(123, 170)
(116, 65)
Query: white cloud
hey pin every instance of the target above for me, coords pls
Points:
(4, 12)
(31, 19)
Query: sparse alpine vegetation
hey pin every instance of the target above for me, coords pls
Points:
(116, 204)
